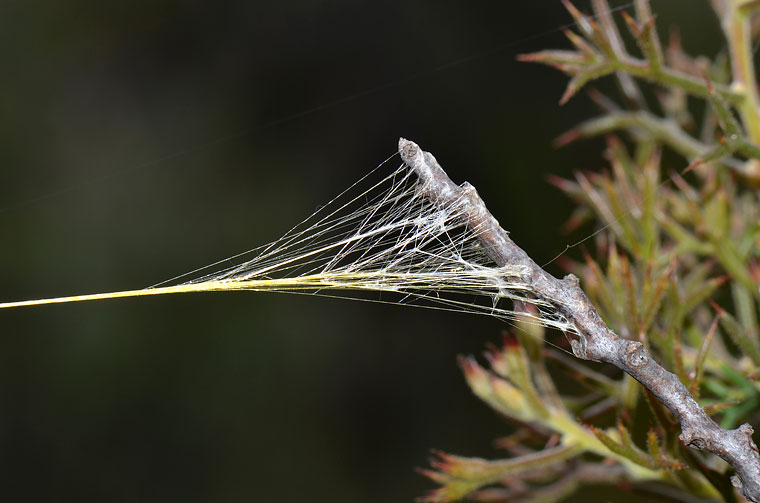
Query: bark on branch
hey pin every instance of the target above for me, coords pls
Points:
(595, 340)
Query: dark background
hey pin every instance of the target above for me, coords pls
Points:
(140, 140)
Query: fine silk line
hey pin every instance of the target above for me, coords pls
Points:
(242, 133)
(625, 214)
(376, 238)
(266, 248)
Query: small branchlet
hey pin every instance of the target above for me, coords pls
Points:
(599, 52)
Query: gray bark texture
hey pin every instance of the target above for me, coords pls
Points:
(595, 341)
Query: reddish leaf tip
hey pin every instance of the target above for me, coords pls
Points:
(569, 93)
(710, 88)
(425, 472)
(717, 308)
(530, 57)
(566, 137)
(569, 6)
(693, 165)
(509, 341)
(469, 365)
(722, 279)
(633, 26)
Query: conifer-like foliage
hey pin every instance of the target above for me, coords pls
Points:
(675, 266)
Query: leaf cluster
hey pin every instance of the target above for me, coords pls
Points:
(674, 264)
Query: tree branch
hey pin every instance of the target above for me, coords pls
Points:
(642, 124)
(595, 340)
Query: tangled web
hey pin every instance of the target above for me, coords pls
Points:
(382, 241)
(389, 239)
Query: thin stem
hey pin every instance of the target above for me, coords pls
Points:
(630, 90)
(669, 77)
(582, 71)
(663, 130)
(668, 132)
(736, 26)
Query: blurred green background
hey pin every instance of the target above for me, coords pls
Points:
(140, 140)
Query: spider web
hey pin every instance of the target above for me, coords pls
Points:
(380, 240)
(384, 241)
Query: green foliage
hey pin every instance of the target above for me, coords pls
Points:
(675, 265)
